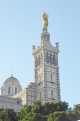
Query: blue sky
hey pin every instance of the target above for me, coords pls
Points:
(20, 28)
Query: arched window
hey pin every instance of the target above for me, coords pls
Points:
(15, 90)
(36, 61)
(9, 90)
(40, 95)
(55, 60)
(47, 57)
(51, 59)
(51, 93)
(41, 58)
(51, 76)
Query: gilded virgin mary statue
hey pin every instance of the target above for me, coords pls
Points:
(45, 21)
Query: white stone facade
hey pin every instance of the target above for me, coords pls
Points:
(47, 70)
(11, 87)
(46, 87)
(27, 95)
(10, 103)
(31, 94)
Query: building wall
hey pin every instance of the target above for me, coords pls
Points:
(47, 70)
(22, 96)
(46, 87)
(10, 103)
(31, 94)
(27, 95)
(11, 87)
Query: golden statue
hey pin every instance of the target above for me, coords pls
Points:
(45, 21)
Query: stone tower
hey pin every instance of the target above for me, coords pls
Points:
(46, 67)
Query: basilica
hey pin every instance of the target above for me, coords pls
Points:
(46, 85)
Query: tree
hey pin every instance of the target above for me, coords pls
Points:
(58, 116)
(77, 108)
(61, 106)
(37, 107)
(24, 112)
(44, 112)
(8, 115)
(51, 117)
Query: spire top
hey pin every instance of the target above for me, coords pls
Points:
(11, 75)
(45, 21)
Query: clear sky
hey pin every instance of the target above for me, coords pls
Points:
(20, 28)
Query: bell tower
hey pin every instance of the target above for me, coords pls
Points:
(46, 67)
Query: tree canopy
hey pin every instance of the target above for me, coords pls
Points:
(42, 112)
(8, 115)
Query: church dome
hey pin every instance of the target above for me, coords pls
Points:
(11, 86)
(11, 79)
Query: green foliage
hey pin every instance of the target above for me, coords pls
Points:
(63, 116)
(72, 116)
(62, 106)
(8, 115)
(37, 107)
(42, 112)
(52, 107)
(51, 117)
(58, 116)
(24, 112)
(49, 107)
(77, 108)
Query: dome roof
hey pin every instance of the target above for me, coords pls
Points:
(11, 79)
(11, 86)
